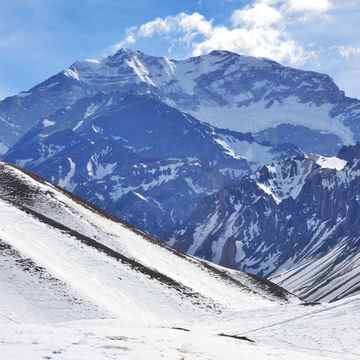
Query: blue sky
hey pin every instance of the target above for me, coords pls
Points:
(40, 37)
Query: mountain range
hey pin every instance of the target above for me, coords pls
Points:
(138, 158)
(227, 90)
(237, 160)
(299, 215)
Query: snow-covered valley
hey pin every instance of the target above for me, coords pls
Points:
(321, 332)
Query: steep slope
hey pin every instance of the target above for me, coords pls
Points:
(138, 158)
(20, 112)
(298, 216)
(225, 89)
(330, 277)
(62, 259)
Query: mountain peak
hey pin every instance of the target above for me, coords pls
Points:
(223, 53)
(232, 58)
(125, 53)
(227, 90)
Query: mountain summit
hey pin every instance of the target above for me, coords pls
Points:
(227, 90)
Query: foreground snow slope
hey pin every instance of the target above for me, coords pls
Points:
(281, 332)
(60, 259)
(77, 284)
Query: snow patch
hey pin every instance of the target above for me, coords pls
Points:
(66, 181)
(140, 196)
(47, 122)
(78, 125)
(72, 74)
(259, 116)
(91, 110)
(331, 163)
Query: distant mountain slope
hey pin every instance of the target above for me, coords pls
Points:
(299, 216)
(330, 277)
(61, 259)
(225, 89)
(139, 158)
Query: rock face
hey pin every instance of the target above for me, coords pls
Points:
(139, 158)
(299, 216)
(227, 90)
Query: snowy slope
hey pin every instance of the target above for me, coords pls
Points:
(77, 284)
(61, 259)
(328, 278)
(320, 332)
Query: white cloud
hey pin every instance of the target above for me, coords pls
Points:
(187, 24)
(260, 15)
(180, 28)
(288, 31)
(311, 34)
(258, 41)
(256, 30)
(317, 6)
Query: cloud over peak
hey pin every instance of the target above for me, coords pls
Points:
(259, 29)
(310, 34)
(259, 15)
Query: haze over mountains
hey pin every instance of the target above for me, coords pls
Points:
(214, 154)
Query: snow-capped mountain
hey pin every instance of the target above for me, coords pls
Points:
(61, 259)
(239, 93)
(124, 133)
(299, 216)
(221, 147)
(139, 158)
(225, 89)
